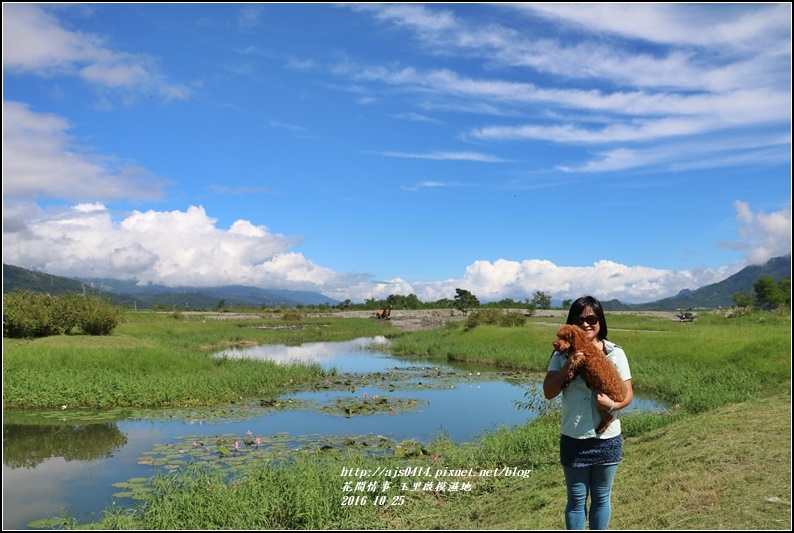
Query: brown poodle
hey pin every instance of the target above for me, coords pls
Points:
(599, 373)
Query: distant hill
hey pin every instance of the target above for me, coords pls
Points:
(17, 278)
(144, 296)
(210, 296)
(717, 294)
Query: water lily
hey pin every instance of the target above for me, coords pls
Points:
(248, 432)
(195, 444)
(63, 407)
(236, 445)
(391, 408)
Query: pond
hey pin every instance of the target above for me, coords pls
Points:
(65, 462)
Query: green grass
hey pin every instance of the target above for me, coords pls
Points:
(158, 361)
(699, 365)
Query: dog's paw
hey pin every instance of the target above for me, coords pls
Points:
(576, 359)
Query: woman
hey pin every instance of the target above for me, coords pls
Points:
(589, 459)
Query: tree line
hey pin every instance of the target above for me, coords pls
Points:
(463, 301)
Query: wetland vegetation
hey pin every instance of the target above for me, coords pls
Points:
(719, 459)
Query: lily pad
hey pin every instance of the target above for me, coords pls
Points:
(46, 523)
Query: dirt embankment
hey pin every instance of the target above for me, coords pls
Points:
(413, 320)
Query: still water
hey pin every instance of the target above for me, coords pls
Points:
(49, 470)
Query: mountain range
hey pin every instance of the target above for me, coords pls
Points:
(145, 296)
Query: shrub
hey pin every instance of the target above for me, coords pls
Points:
(100, 318)
(495, 317)
(292, 316)
(27, 314)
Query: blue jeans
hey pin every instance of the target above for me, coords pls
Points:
(595, 480)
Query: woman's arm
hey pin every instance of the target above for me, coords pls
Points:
(552, 385)
(604, 402)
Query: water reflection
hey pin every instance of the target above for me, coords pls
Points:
(348, 356)
(29, 445)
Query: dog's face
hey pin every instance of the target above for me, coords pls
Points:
(567, 337)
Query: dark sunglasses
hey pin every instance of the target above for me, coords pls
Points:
(590, 319)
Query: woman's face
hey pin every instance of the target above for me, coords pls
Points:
(591, 330)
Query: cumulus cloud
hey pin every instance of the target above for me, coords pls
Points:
(763, 236)
(187, 248)
(172, 248)
(518, 280)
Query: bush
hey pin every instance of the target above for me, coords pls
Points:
(99, 318)
(292, 316)
(495, 317)
(27, 315)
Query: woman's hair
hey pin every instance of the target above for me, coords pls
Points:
(580, 305)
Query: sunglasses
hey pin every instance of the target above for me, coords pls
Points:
(590, 319)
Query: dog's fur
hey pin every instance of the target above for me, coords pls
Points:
(598, 372)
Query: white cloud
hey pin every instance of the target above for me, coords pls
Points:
(187, 248)
(446, 156)
(711, 69)
(518, 280)
(740, 43)
(40, 160)
(692, 24)
(763, 236)
(35, 43)
(249, 17)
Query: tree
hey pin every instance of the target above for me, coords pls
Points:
(541, 300)
(743, 299)
(412, 302)
(771, 293)
(464, 300)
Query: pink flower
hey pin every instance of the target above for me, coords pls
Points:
(375, 397)
(195, 444)
(236, 445)
(391, 408)
(249, 432)
(258, 441)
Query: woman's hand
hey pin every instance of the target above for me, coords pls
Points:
(604, 402)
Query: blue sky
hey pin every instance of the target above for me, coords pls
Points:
(359, 150)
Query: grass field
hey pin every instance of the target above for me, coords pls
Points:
(722, 460)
